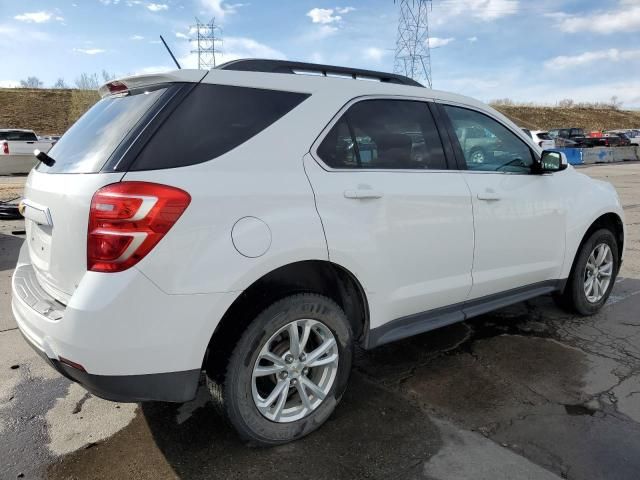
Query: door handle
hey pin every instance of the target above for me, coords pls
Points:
(489, 196)
(362, 194)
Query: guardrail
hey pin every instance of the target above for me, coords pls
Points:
(589, 156)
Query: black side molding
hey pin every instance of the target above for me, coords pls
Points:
(440, 317)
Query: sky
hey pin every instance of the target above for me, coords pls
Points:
(539, 51)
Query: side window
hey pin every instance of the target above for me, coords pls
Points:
(384, 134)
(211, 121)
(499, 149)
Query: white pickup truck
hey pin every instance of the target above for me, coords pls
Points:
(16, 150)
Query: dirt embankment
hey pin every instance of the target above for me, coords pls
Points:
(54, 111)
(47, 112)
(591, 119)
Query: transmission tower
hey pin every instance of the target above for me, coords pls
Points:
(413, 56)
(206, 39)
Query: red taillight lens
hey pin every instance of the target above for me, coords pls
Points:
(127, 220)
(5, 148)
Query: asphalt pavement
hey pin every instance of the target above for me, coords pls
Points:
(527, 392)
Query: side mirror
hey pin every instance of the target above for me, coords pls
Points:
(552, 161)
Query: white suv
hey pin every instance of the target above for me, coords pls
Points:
(258, 221)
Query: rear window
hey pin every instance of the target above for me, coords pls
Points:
(543, 136)
(211, 121)
(18, 136)
(89, 143)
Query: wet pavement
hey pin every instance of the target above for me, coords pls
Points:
(526, 392)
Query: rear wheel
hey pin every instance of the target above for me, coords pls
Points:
(593, 274)
(288, 371)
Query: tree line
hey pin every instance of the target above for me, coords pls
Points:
(86, 81)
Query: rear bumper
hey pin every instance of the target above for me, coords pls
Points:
(134, 341)
(162, 387)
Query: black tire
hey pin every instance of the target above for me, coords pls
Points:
(235, 394)
(574, 298)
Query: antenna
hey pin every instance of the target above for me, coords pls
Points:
(170, 53)
(413, 55)
(206, 38)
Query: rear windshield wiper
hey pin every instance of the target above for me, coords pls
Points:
(44, 158)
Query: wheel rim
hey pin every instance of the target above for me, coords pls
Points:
(294, 371)
(477, 157)
(598, 273)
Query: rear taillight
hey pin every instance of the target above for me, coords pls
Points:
(127, 220)
(5, 148)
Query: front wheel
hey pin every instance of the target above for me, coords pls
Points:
(593, 274)
(288, 371)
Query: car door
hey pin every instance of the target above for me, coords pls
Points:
(393, 214)
(519, 217)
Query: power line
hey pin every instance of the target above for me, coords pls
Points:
(413, 55)
(207, 38)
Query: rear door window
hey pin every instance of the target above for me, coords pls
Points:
(211, 121)
(384, 134)
(89, 143)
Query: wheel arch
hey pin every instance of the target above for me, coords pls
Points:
(310, 276)
(609, 220)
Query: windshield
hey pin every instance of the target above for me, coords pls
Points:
(89, 143)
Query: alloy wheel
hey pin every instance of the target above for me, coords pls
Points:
(295, 371)
(598, 272)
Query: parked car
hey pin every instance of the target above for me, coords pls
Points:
(258, 224)
(477, 143)
(574, 137)
(16, 150)
(630, 137)
(540, 138)
(620, 139)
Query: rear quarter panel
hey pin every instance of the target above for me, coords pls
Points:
(261, 178)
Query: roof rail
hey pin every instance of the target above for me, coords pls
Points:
(285, 66)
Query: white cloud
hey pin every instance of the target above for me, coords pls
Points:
(375, 54)
(472, 39)
(9, 84)
(35, 17)
(323, 15)
(586, 58)
(436, 42)
(235, 48)
(220, 9)
(182, 35)
(624, 19)
(485, 10)
(136, 37)
(153, 69)
(344, 10)
(157, 7)
(89, 51)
